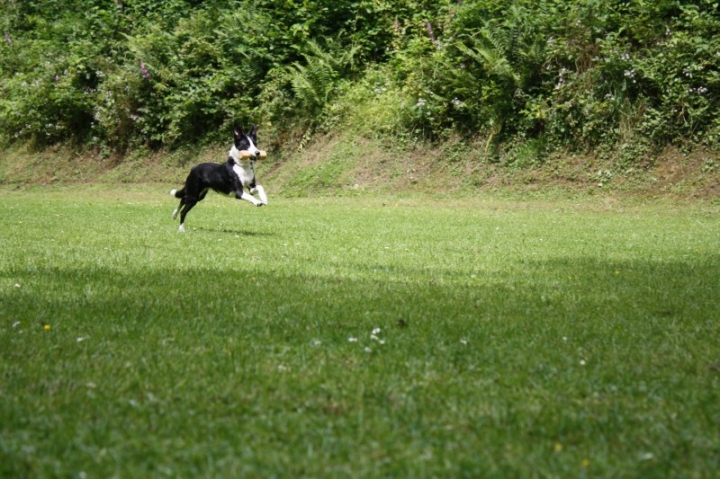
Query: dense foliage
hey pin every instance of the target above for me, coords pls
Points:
(538, 73)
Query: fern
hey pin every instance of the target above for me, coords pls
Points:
(313, 84)
(315, 81)
(492, 50)
(507, 54)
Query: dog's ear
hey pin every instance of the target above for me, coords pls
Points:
(237, 133)
(253, 132)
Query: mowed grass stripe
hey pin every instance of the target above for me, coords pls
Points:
(516, 339)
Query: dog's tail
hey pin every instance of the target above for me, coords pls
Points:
(178, 193)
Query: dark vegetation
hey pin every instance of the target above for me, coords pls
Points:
(521, 79)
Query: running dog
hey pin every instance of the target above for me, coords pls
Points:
(234, 176)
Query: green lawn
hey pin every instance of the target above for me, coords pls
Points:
(556, 338)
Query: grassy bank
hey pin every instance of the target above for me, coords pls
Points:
(361, 337)
(349, 164)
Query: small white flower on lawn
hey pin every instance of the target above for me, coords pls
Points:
(382, 341)
(463, 342)
(80, 340)
(352, 340)
(565, 339)
(582, 362)
(376, 331)
(16, 324)
(373, 337)
(17, 285)
(368, 350)
(316, 342)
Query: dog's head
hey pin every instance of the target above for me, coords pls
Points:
(246, 141)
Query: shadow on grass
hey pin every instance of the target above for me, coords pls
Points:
(235, 231)
(222, 356)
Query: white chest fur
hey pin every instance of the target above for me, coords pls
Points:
(245, 173)
(243, 167)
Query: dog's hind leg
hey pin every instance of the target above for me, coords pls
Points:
(189, 203)
(178, 194)
(193, 189)
(182, 202)
(177, 210)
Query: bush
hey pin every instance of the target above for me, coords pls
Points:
(163, 73)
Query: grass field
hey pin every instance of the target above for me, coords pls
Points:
(357, 337)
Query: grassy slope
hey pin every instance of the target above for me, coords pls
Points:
(348, 165)
(521, 339)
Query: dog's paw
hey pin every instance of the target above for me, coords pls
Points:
(181, 229)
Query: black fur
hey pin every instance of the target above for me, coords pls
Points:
(213, 176)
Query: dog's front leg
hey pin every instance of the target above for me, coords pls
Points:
(241, 195)
(261, 193)
(240, 190)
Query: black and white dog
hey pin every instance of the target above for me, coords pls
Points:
(231, 177)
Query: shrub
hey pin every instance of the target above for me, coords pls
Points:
(567, 74)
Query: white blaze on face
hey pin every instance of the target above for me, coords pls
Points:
(252, 149)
